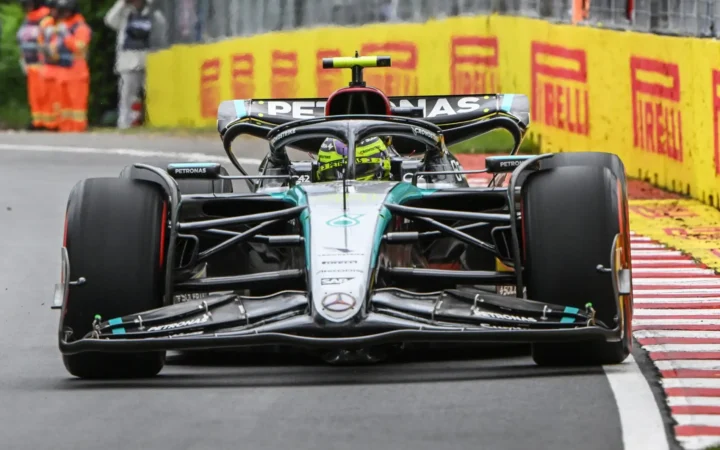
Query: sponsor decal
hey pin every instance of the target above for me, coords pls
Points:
(401, 78)
(443, 106)
(297, 109)
(657, 211)
(716, 117)
(339, 302)
(417, 131)
(506, 290)
(328, 80)
(185, 323)
(657, 121)
(345, 221)
(181, 298)
(492, 315)
(189, 170)
(499, 327)
(209, 87)
(339, 249)
(242, 69)
(340, 270)
(283, 74)
(474, 64)
(697, 233)
(510, 163)
(283, 135)
(334, 281)
(560, 95)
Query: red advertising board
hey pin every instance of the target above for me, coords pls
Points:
(474, 65)
(657, 120)
(560, 94)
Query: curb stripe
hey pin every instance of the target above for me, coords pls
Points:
(687, 373)
(676, 320)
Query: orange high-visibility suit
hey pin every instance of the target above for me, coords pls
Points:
(28, 37)
(69, 47)
(49, 71)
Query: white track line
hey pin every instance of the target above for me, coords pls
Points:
(668, 262)
(645, 246)
(656, 322)
(704, 383)
(135, 153)
(693, 401)
(643, 334)
(656, 253)
(679, 281)
(691, 364)
(662, 301)
(674, 271)
(710, 420)
(698, 442)
(677, 312)
(673, 291)
(640, 419)
(695, 348)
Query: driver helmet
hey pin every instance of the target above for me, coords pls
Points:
(372, 161)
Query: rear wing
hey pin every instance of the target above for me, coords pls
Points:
(446, 111)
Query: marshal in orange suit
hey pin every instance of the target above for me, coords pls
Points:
(49, 71)
(28, 37)
(69, 48)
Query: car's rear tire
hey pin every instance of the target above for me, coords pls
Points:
(115, 238)
(571, 216)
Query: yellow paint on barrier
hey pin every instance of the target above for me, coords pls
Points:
(653, 100)
(686, 225)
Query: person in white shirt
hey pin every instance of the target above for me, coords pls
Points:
(138, 30)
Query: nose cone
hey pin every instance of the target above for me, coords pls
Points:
(342, 246)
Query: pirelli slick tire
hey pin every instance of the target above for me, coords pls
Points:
(188, 187)
(115, 238)
(571, 216)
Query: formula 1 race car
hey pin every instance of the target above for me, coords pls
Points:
(350, 256)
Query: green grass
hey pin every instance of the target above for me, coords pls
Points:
(498, 141)
(14, 115)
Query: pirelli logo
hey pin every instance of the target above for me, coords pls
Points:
(560, 94)
(328, 80)
(209, 87)
(657, 120)
(716, 117)
(283, 71)
(401, 78)
(242, 70)
(474, 64)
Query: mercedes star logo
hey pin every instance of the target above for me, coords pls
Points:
(339, 302)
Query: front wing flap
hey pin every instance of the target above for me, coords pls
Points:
(393, 316)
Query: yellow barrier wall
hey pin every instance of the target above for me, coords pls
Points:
(653, 100)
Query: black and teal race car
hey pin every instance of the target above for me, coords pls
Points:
(174, 258)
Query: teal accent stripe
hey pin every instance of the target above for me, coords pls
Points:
(240, 109)
(118, 331)
(116, 321)
(569, 310)
(507, 102)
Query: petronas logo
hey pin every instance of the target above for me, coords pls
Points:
(345, 220)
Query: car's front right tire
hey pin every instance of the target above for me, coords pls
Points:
(116, 240)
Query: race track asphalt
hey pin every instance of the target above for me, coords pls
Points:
(489, 401)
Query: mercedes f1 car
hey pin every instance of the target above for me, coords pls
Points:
(346, 267)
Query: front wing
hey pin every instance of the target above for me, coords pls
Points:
(393, 316)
